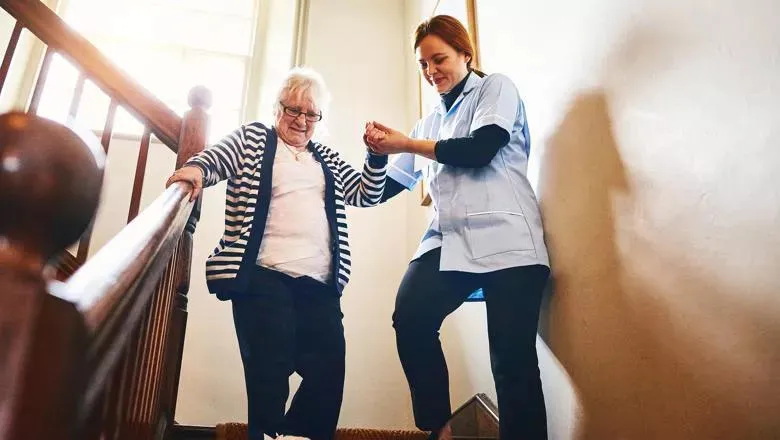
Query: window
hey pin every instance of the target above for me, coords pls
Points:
(167, 46)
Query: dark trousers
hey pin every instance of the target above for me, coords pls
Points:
(287, 325)
(513, 297)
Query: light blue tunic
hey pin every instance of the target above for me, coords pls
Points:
(486, 218)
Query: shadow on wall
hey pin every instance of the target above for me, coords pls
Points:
(582, 172)
(656, 347)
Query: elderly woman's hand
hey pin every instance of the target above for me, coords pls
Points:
(384, 140)
(191, 175)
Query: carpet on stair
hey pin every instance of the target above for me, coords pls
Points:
(238, 431)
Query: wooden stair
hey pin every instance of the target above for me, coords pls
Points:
(237, 431)
(476, 419)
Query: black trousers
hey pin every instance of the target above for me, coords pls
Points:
(513, 297)
(287, 325)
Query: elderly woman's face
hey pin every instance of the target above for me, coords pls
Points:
(296, 118)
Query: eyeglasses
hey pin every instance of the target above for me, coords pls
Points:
(295, 112)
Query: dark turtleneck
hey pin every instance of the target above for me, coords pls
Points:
(448, 98)
(475, 150)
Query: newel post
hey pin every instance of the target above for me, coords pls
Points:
(50, 181)
(192, 140)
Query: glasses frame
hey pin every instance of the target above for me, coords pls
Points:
(294, 113)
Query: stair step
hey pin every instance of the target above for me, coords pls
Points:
(237, 431)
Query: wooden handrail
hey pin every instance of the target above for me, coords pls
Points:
(113, 287)
(49, 185)
(54, 32)
(99, 355)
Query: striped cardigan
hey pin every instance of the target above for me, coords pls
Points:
(245, 158)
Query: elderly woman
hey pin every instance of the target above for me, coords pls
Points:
(284, 260)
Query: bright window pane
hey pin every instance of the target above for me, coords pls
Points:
(240, 8)
(166, 46)
(93, 109)
(58, 90)
(222, 123)
(223, 75)
(154, 24)
(157, 69)
(125, 123)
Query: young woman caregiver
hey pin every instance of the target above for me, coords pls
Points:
(486, 233)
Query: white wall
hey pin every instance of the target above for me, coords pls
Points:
(656, 132)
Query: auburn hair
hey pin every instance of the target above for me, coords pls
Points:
(452, 31)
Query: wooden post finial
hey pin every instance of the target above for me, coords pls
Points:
(50, 182)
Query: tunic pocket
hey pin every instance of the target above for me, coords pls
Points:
(495, 232)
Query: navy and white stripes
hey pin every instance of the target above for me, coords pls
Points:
(241, 159)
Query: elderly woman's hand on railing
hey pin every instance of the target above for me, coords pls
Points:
(191, 175)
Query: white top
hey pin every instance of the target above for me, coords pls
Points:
(296, 238)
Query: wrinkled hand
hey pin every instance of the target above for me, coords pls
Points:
(382, 139)
(191, 175)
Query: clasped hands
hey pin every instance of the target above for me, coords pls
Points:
(381, 139)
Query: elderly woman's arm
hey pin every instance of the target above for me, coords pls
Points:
(392, 189)
(218, 162)
(364, 189)
(224, 159)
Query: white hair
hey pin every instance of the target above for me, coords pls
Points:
(307, 82)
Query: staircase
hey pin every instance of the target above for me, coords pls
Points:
(92, 345)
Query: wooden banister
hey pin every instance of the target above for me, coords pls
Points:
(49, 187)
(50, 183)
(54, 32)
(9, 53)
(114, 287)
(192, 140)
(99, 355)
